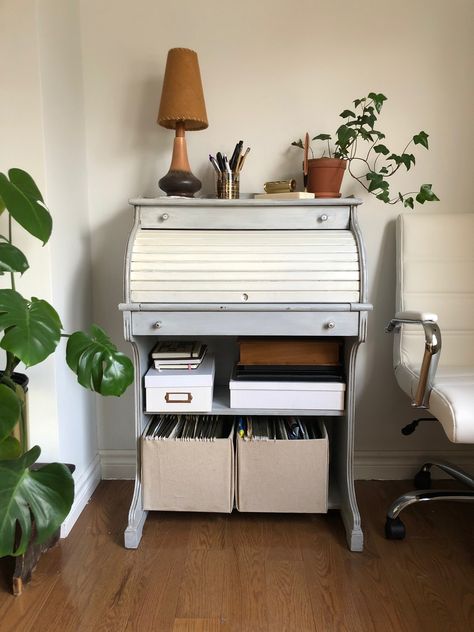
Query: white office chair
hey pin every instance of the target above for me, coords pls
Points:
(435, 281)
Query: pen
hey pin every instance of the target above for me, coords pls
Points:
(305, 161)
(235, 155)
(220, 161)
(226, 165)
(242, 159)
(214, 164)
(241, 428)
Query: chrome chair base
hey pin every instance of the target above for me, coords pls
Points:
(394, 527)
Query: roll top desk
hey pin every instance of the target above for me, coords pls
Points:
(220, 269)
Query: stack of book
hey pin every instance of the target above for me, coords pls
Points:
(289, 360)
(178, 354)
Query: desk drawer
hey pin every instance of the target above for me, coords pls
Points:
(248, 323)
(240, 218)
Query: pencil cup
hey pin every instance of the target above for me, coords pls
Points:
(228, 186)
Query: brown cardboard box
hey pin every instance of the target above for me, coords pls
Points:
(188, 475)
(283, 476)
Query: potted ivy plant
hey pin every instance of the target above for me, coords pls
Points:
(358, 147)
(36, 499)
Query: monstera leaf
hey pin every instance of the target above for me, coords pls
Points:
(32, 328)
(10, 409)
(46, 494)
(12, 259)
(97, 363)
(23, 200)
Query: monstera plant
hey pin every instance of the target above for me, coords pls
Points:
(30, 330)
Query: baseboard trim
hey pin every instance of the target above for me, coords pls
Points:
(118, 464)
(85, 485)
(400, 465)
(368, 464)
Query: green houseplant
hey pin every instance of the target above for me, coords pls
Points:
(30, 331)
(358, 146)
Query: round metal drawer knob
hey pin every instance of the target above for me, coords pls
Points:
(157, 325)
(164, 217)
(324, 217)
(245, 297)
(331, 324)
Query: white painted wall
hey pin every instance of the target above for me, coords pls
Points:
(42, 130)
(83, 92)
(272, 70)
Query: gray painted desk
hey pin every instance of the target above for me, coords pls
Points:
(218, 269)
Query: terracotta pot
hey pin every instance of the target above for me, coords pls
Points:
(325, 176)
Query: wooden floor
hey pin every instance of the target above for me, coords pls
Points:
(203, 572)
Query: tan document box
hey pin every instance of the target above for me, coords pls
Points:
(188, 475)
(283, 476)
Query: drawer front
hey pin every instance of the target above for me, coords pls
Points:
(240, 218)
(241, 323)
(179, 399)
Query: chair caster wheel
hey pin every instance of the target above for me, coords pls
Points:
(422, 479)
(394, 529)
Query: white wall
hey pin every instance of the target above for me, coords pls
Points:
(272, 70)
(42, 131)
(83, 92)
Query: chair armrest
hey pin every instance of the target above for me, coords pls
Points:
(431, 355)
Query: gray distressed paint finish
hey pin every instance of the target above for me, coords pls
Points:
(158, 305)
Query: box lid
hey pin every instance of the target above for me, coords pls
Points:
(255, 385)
(202, 376)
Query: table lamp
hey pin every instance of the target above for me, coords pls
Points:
(182, 108)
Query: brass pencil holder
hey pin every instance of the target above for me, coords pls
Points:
(228, 186)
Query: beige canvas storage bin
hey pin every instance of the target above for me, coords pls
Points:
(180, 390)
(283, 476)
(188, 475)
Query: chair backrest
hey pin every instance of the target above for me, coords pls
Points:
(435, 273)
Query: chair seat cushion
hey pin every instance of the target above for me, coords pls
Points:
(451, 400)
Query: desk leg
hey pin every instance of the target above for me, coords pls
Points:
(344, 453)
(136, 519)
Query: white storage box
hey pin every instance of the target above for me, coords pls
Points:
(180, 390)
(287, 395)
(283, 475)
(188, 475)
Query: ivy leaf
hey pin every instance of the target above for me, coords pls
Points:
(400, 197)
(298, 143)
(10, 410)
(12, 259)
(97, 363)
(396, 158)
(357, 102)
(24, 205)
(384, 196)
(344, 136)
(322, 137)
(421, 139)
(408, 202)
(381, 149)
(376, 181)
(32, 328)
(426, 194)
(378, 100)
(407, 159)
(45, 494)
(383, 170)
(347, 114)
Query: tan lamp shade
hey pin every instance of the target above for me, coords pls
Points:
(182, 98)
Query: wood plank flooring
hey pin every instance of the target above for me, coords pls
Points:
(253, 572)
